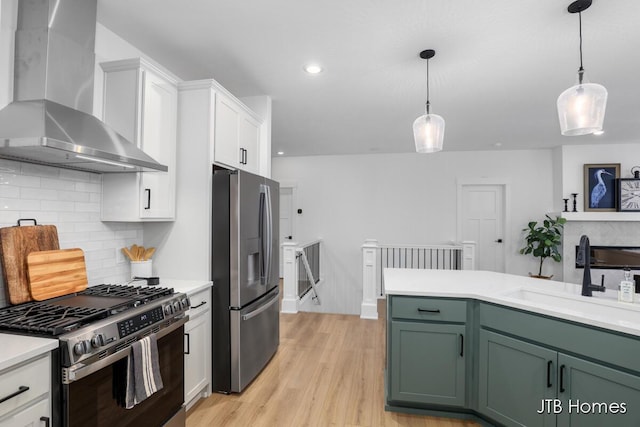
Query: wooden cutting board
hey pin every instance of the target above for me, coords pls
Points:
(15, 244)
(56, 273)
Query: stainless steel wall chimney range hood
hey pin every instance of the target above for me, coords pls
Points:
(49, 121)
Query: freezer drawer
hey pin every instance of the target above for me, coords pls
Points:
(255, 335)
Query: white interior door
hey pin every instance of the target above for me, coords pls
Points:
(482, 221)
(286, 218)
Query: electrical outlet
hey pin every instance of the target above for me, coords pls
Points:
(120, 259)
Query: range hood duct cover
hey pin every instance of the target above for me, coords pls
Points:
(49, 121)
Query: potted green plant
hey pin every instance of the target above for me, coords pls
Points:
(542, 241)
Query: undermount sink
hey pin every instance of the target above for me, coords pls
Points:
(583, 306)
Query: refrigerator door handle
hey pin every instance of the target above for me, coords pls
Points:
(269, 243)
(261, 232)
(262, 308)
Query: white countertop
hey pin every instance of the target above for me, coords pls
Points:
(188, 287)
(17, 348)
(603, 308)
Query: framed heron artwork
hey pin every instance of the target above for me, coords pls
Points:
(600, 186)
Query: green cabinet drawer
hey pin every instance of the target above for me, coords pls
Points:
(428, 309)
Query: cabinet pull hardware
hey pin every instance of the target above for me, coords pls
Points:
(426, 310)
(188, 344)
(461, 345)
(549, 364)
(148, 191)
(21, 390)
(562, 389)
(45, 420)
(199, 305)
(246, 157)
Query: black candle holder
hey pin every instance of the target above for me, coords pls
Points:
(566, 207)
(575, 202)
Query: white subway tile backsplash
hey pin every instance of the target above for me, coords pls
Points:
(87, 207)
(38, 193)
(70, 200)
(79, 176)
(25, 181)
(9, 191)
(57, 205)
(19, 204)
(88, 187)
(77, 217)
(73, 196)
(58, 184)
(30, 169)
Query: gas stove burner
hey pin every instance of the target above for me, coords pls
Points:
(141, 293)
(48, 319)
(70, 312)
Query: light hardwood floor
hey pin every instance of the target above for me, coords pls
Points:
(328, 371)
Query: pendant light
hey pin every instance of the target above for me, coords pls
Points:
(428, 129)
(581, 107)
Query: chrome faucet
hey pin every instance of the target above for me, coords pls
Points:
(584, 258)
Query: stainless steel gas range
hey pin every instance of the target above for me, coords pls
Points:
(95, 329)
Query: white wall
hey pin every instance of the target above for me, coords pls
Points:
(605, 233)
(405, 198)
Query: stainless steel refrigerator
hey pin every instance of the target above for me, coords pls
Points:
(245, 316)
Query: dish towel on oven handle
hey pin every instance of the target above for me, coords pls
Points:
(143, 371)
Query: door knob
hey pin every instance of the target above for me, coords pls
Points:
(289, 237)
(498, 241)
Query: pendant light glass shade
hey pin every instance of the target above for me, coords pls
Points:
(428, 132)
(428, 129)
(581, 109)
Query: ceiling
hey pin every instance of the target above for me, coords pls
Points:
(499, 66)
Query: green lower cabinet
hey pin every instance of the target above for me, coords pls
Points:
(593, 395)
(515, 378)
(523, 384)
(427, 363)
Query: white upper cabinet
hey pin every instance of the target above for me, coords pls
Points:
(237, 134)
(140, 103)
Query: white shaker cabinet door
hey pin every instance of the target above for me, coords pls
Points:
(227, 117)
(158, 139)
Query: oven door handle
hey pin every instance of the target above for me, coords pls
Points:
(79, 371)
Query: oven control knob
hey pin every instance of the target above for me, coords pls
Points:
(97, 341)
(81, 348)
(177, 306)
(185, 303)
(168, 309)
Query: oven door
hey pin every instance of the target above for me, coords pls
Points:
(89, 401)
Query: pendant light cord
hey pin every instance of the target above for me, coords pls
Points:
(581, 70)
(428, 104)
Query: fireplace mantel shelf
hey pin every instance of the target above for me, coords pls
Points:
(598, 216)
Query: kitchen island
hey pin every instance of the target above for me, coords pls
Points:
(510, 350)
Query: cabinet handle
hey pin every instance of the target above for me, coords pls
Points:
(461, 345)
(243, 156)
(199, 305)
(45, 420)
(562, 389)
(549, 364)
(426, 310)
(188, 344)
(148, 191)
(21, 390)
(246, 156)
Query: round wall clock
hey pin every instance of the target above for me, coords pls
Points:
(628, 195)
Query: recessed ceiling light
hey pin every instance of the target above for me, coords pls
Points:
(313, 68)
(598, 132)
(280, 153)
